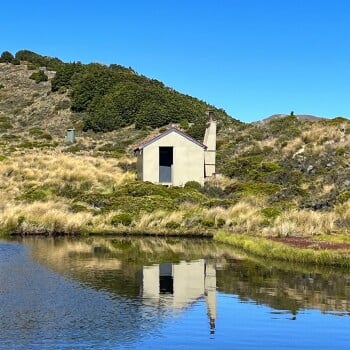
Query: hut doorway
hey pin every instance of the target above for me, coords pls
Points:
(165, 164)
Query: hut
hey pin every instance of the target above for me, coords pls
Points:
(174, 158)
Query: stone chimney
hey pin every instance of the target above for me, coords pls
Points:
(210, 142)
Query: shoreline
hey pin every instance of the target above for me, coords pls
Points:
(263, 247)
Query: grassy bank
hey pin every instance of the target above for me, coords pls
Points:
(267, 248)
(53, 192)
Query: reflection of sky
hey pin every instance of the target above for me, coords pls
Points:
(249, 326)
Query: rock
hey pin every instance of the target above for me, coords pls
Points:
(309, 168)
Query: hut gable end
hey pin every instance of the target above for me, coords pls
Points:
(171, 158)
(167, 132)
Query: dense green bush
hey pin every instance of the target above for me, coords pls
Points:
(39, 76)
(124, 219)
(113, 97)
(193, 184)
(63, 77)
(38, 60)
(6, 57)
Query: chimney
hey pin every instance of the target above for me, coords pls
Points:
(210, 142)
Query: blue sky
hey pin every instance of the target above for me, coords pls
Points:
(253, 58)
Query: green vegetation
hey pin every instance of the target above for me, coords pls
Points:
(39, 76)
(38, 60)
(6, 57)
(124, 219)
(38, 133)
(266, 248)
(114, 97)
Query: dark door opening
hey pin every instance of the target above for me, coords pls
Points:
(166, 281)
(165, 164)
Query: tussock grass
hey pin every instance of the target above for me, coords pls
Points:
(43, 218)
(302, 223)
(56, 170)
(49, 193)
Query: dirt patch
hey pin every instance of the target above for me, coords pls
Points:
(305, 242)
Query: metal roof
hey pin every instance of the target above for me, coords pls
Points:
(167, 132)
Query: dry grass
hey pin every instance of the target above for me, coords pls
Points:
(55, 169)
(302, 223)
(42, 217)
(32, 169)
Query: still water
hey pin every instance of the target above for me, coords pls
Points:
(122, 293)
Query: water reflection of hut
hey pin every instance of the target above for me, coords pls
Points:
(179, 285)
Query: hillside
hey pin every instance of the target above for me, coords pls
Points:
(300, 117)
(98, 101)
(286, 176)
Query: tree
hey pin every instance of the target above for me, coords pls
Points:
(6, 57)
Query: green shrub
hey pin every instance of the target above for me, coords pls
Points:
(37, 194)
(62, 90)
(64, 104)
(2, 86)
(343, 196)
(2, 157)
(193, 184)
(268, 167)
(16, 62)
(124, 219)
(38, 60)
(288, 126)
(340, 151)
(258, 188)
(270, 213)
(197, 130)
(77, 208)
(6, 57)
(39, 133)
(208, 222)
(220, 222)
(39, 76)
(184, 124)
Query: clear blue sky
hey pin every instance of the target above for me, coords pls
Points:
(253, 58)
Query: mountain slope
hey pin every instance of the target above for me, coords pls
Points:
(290, 162)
